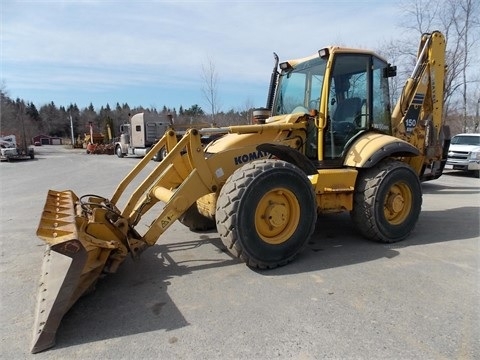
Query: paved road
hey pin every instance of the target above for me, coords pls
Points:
(343, 298)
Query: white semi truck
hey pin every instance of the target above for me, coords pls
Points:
(145, 129)
(139, 136)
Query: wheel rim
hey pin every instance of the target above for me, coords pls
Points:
(277, 216)
(398, 203)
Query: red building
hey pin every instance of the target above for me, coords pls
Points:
(46, 140)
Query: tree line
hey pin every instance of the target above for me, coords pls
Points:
(24, 120)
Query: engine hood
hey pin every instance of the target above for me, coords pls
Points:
(463, 148)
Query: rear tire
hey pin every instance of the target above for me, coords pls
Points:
(266, 212)
(387, 201)
(196, 221)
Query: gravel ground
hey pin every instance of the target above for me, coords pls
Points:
(343, 298)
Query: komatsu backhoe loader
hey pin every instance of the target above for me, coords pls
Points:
(328, 143)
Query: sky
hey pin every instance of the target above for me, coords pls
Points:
(150, 53)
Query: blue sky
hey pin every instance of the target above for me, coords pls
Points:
(150, 53)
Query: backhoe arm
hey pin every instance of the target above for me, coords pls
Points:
(418, 114)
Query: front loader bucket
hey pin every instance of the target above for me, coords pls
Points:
(72, 264)
(62, 267)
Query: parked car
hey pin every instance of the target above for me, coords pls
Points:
(464, 153)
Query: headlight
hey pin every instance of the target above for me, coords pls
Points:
(475, 155)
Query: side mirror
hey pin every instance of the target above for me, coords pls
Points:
(389, 71)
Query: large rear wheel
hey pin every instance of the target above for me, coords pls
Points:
(387, 201)
(266, 212)
(195, 221)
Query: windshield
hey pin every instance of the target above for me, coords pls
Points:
(466, 140)
(300, 88)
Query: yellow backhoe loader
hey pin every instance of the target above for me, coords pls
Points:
(328, 141)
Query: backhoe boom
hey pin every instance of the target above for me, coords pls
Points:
(418, 115)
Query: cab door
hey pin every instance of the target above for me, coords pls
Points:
(357, 101)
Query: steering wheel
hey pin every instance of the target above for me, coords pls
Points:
(344, 127)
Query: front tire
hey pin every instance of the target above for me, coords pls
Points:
(118, 151)
(266, 212)
(160, 155)
(387, 201)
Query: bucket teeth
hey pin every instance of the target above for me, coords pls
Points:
(58, 218)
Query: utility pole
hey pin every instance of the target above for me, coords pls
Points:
(71, 128)
(477, 117)
(21, 112)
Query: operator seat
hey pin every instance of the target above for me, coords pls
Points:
(345, 119)
(347, 110)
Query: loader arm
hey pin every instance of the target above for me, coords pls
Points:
(186, 174)
(178, 183)
(90, 235)
(418, 115)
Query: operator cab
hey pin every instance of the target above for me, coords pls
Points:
(346, 98)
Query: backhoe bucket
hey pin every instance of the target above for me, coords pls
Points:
(72, 264)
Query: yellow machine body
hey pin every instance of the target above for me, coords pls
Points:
(263, 184)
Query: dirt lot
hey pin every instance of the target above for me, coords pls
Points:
(343, 298)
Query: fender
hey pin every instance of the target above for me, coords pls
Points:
(369, 149)
(291, 155)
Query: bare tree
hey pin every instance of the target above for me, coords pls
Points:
(246, 111)
(393, 53)
(420, 15)
(210, 89)
(463, 19)
(7, 111)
